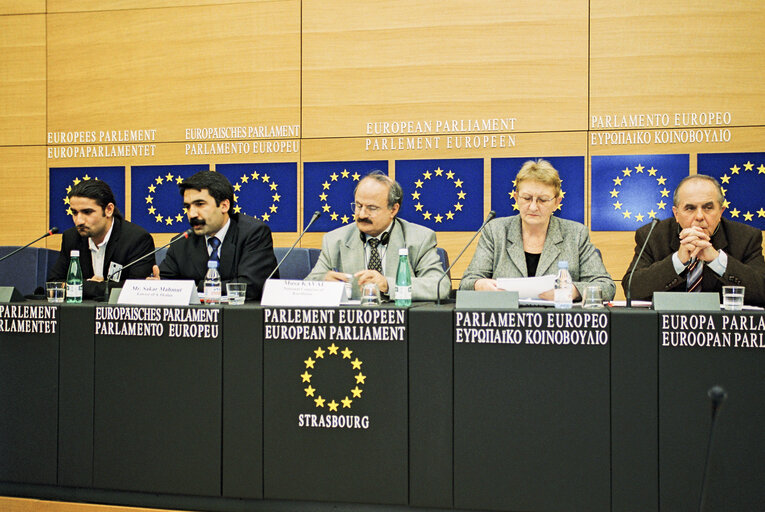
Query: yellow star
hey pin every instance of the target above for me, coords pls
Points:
(723, 190)
(266, 177)
(86, 177)
(333, 349)
(346, 402)
(169, 221)
(309, 390)
(458, 206)
(179, 218)
(415, 195)
(360, 378)
(273, 208)
(158, 217)
(748, 166)
(319, 353)
(306, 376)
(179, 179)
(427, 175)
(639, 217)
(449, 215)
(761, 169)
(276, 197)
(515, 207)
(559, 207)
(325, 185)
(77, 181)
(345, 174)
(760, 213)
(149, 199)
(562, 194)
(334, 176)
(627, 171)
(614, 193)
(266, 217)
(661, 180)
(69, 211)
(355, 176)
(319, 401)
(461, 195)
(626, 214)
(418, 206)
(346, 353)
(66, 200)
(438, 171)
(664, 193)
(159, 180)
(617, 205)
(458, 183)
(334, 216)
(236, 198)
(639, 168)
(326, 208)
(322, 197)
(356, 392)
(652, 214)
(661, 205)
(169, 177)
(309, 363)
(255, 175)
(237, 187)
(273, 185)
(734, 212)
(748, 216)
(333, 405)
(152, 188)
(724, 178)
(245, 178)
(726, 203)
(652, 171)
(426, 215)
(68, 189)
(734, 170)
(356, 364)
(151, 210)
(438, 218)
(418, 184)
(450, 175)
(345, 219)
(237, 209)
(617, 181)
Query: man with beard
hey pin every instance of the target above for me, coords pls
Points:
(106, 241)
(242, 245)
(368, 249)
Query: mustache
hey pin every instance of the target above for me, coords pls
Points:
(363, 220)
(196, 222)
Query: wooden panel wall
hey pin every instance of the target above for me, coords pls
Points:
(336, 68)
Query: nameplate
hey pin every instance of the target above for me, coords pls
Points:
(10, 294)
(293, 292)
(151, 292)
(470, 299)
(686, 301)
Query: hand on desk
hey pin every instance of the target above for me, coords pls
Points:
(154, 273)
(372, 276)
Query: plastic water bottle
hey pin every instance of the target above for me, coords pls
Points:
(212, 287)
(564, 287)
(403, 280)
(74, 279)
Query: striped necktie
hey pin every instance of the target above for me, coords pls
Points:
(695, 271)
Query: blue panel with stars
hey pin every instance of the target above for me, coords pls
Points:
(328, 187)
(265, 191)
(742, 176)
(571, 172)
(155, 200)
(629, 191)
(444, 195)
(61, 181)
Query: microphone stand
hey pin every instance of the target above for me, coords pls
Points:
(628, 293)
(50, 232)
(316, 215)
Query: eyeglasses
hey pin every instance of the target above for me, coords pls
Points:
(371, 209)
(541, 201)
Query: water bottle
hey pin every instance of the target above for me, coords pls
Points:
(403, 280)
(564, 287)
(74, 279)
(212, 287)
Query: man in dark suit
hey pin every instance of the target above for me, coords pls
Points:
(698, 250)
(241, 244)
(106, 241)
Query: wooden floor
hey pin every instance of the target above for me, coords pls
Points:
(29, 505)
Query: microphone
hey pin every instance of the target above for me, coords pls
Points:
(628, 293)
(185, 234)
(316, 215)
(717, 396)
(51, 231)
(489, 217)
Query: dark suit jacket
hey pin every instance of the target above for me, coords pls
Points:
(127, 243)
(656, 273)
(246, 256)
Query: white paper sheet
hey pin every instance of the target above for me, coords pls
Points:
(527, 287)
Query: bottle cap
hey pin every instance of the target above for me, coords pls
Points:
(563, 264)
(74, 252)
(212, 264)
(403, 251)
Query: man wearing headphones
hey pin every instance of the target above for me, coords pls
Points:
(368, 249)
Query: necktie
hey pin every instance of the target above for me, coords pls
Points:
(214, 243)
(695, 271)
(374, 256)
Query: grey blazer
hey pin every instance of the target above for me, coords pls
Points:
(500, 254)
(342, 250)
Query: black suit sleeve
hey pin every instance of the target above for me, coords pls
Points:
(256, 260)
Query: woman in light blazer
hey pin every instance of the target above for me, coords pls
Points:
(532, 242)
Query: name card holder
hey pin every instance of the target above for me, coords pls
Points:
(470, 299)
(10, 294)
(293, 292)
(148, 292)
(686, 301)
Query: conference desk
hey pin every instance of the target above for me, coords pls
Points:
(252, 408)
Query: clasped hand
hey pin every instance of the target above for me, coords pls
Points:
(695, 243)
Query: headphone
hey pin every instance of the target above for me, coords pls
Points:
(384, 238)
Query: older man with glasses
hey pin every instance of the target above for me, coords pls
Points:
(367, 250)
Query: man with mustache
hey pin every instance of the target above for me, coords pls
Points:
(368, 249)
(242, 245)
(106, 241)
(698, 249)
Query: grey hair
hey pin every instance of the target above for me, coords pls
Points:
(395, 192)
(703, 177)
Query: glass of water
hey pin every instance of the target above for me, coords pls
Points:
(733, 298)
(55, 291)
(370, 295)
(236, 293)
